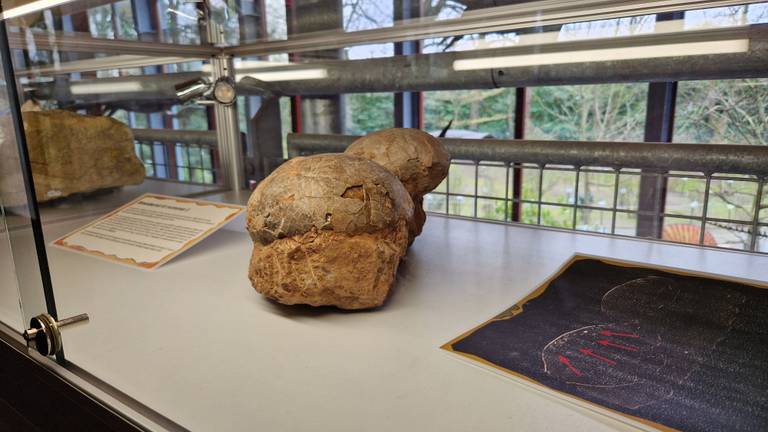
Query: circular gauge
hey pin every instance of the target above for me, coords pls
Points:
(224, 91)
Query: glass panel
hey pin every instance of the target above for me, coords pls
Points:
(764, 204)
(685, 196)
(491, 181)
(368, 112)
(727, 16)
(762, 239)
(686, 231)
(733, 200)
(605, 112)
(626, 224)
(461, 179)
(558, 187)
(474, 113)
(10, 302)
(730, 235)
(596, 189)
(530, 183)
(441, 186)
(530, 213)
(21, 281)
(556, 216)
(593, 220)
(722, 112)
(491, 209)
(629, 191)
(435, 203)
(327, 68)
(461, 206)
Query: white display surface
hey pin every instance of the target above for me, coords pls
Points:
(195, 342)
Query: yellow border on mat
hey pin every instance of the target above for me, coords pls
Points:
(517, 309)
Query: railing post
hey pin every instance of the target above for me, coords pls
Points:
(659, 127)
(227, 128)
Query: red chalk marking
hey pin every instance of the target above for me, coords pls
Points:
(567, 362)
(610, 333)
(599, 357)
(619, 346)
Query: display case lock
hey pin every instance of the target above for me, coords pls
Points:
(44, 333)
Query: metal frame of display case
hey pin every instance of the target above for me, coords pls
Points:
(26, 171)
(408, 73)
(403, 73)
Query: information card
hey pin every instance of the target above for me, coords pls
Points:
(149, 231)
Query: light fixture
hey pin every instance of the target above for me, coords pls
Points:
(32, 7)
(105, 87)
(605, 54)
(224, 91)
(287, 75)
(192, 89)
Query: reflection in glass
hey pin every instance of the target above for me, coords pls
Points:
(491, 181)
(685, 196)
(475, 113)
(491, 209)
(601, 112)
(461, 206)
(722, 112)
(461, 179)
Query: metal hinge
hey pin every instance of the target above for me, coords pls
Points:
(44, 334)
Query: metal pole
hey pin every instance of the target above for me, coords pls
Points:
(227, 128)
(521, 117)
(200, 137)
(659, 127)
(655, 157)
(756, 217)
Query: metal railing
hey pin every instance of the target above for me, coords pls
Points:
(714, 195)
(193, 154)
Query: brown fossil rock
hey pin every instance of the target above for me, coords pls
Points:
(328, 230)
(12, 192)
(71, 153)
(417, 158)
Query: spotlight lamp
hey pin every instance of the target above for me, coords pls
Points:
(193, 89)
(224, 91)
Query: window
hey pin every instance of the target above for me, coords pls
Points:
(472, 190)
(178, 21)
(602, 112)
(475, 113)
(368, 112)
(722, 112)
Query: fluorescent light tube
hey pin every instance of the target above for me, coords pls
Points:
(605, 54)
(32, 7)
(105, 87)
(287, 75)
(261, 64)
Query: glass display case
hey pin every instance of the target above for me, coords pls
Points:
(630, 130)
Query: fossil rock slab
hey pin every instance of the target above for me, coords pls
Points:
(72, 153)
(12, 192)
(417, 158)
(328, 230)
